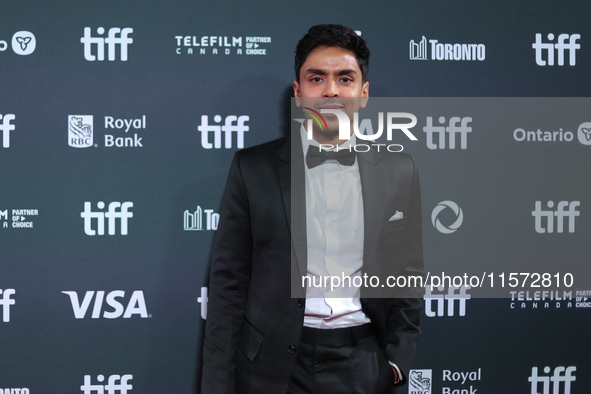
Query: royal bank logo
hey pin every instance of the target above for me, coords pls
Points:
(222, 45)
(116, 384)
(96, 46)
(23, 43)
(553, 220)
(232, 125)
(434, 50)
(6, 126)
(420, 381)
(80, 131)
(450, 134)
(450, 303)
(559, 380)
(438, 220)
(94, 221)
(550, 53)
(200, 219)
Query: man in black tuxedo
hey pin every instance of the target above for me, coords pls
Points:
(354, 214)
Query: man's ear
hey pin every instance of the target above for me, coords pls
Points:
(364, 95)
(296, 93)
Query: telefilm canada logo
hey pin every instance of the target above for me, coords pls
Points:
(432, 49)
(222, 45)
(362, 129)
(22, 43)
(18, 218)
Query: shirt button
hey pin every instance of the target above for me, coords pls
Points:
(301, 303)
(291, 349)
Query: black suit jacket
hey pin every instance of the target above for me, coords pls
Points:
(253, 324)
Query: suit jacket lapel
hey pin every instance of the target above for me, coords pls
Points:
(373, 177)
(290, 170)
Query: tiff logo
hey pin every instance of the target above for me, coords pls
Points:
(456, 126)
(116, 36)
(228, 129)
(451, 297)
(116, 211)
(560, 213)
(6, 127)
(202, 299)
(116, 384)
(194, 221)
(557, 378)
(560, 48)
(6, 302)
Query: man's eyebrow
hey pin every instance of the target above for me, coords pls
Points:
(323, 72)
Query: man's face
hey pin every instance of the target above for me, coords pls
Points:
(330, 78)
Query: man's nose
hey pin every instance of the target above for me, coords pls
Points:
(331, 89)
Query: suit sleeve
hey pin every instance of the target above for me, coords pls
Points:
(228, 286)
(403, 319)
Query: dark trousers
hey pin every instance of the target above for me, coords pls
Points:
(341, 361)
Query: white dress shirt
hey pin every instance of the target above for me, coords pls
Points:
(334, 225)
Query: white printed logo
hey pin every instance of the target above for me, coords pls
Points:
(457, 126)
(560, 375)
(564, 209)
(559, 48)
(420, 381)
(459, 217)
(584, 133)
(226, 45)
(443, 51)
(6, 127)
(116, 37)
(194, 221)
(127, 124)
(117, 210)
(451, 296)
(116, 384)
(228, 128)
(135, 306)
(23, 43)
(6, 302)
(203, 301)
(80, 129)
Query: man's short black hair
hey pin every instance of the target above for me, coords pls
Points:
(332, 36)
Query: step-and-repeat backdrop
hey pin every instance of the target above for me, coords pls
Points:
(118, 122)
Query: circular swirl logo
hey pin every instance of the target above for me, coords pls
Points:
(443, 205)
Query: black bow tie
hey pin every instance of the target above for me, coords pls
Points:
(315, 156)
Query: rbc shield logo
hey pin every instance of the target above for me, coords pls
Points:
(80, 129)
(420, 381)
